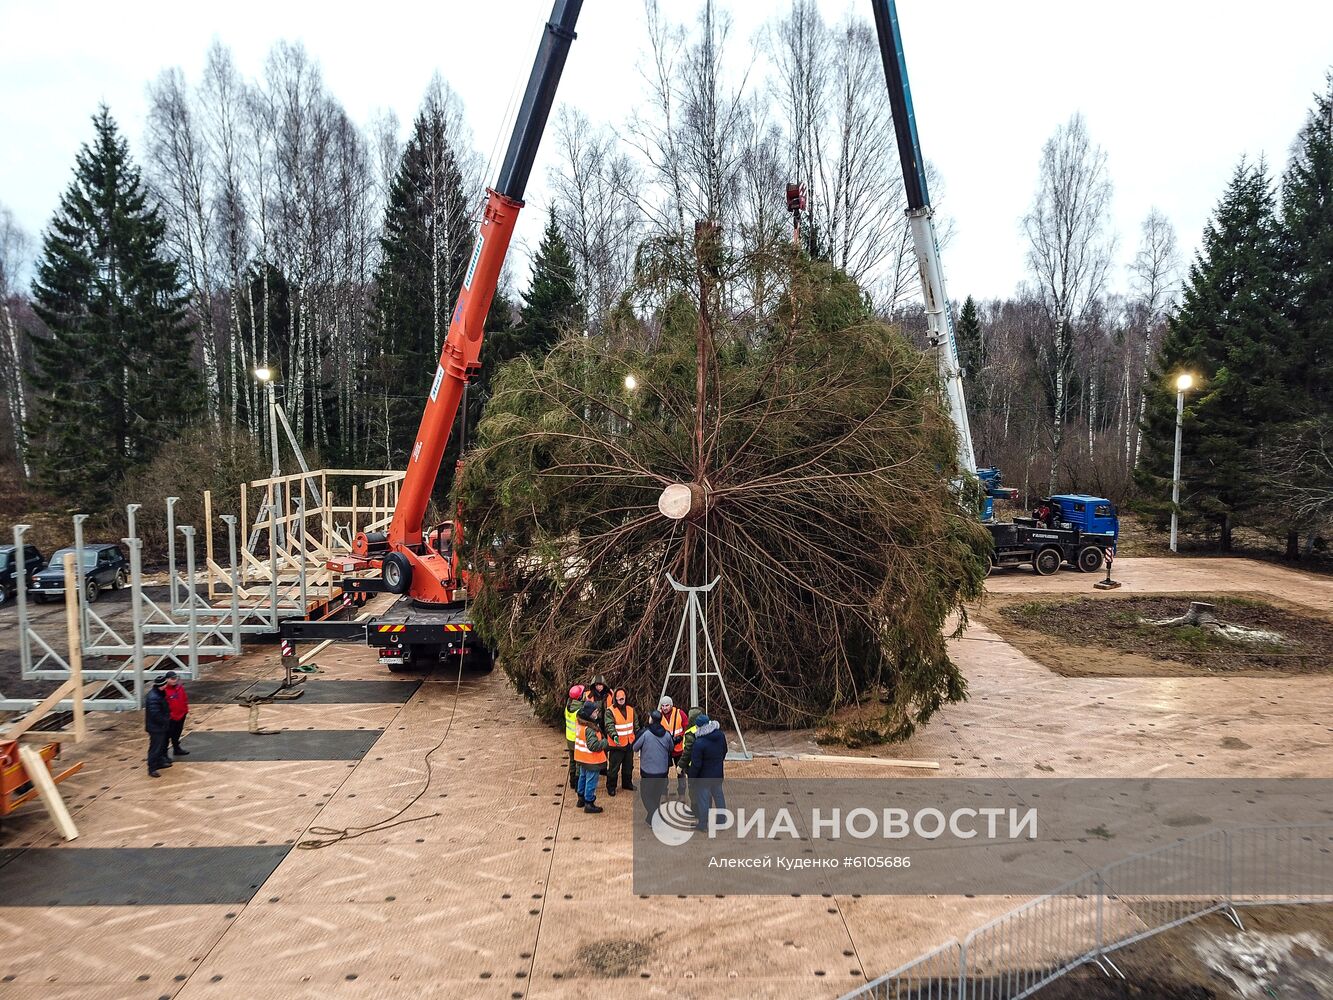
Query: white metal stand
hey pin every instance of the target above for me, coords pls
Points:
(696, 621)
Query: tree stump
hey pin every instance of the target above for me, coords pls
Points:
(1201, 613)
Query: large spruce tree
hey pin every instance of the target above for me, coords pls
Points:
(112, 377)
(427, 240)
(1296, 452)
(1231, 333)
(971, 346)
(551, 307)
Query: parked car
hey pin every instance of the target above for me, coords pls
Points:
(104, 565)
(9, 569)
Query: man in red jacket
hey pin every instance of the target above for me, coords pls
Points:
(178, 704)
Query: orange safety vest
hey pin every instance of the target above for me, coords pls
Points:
(623, 734)
(581, 752)
(675, 725)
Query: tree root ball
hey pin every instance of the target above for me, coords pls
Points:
(832, 515)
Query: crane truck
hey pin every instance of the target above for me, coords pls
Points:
(422, 566)
(1075, 528)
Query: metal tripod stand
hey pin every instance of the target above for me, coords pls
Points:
(696, 622)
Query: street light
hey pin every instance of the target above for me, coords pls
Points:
(631, 383)
(265, 376)
(1184, 382)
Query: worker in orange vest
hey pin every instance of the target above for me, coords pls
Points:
(590, 753)
(674, 722)
(621, 729)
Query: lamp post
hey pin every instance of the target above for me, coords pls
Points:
(265, 374)
(1183, 383)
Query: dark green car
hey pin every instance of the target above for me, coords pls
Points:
(104, 567)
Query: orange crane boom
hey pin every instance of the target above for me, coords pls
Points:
(412, 561)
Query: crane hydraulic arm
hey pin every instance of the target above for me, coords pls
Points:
(411, 561)
(920, 217)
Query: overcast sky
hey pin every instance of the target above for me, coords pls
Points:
(1175, 91)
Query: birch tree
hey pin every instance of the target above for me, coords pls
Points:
(15, 249)
(595, 196)
(1070, 251)
(179, 175)
(1155, 276)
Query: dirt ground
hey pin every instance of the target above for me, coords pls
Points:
(1108, 635)
(1283, 952)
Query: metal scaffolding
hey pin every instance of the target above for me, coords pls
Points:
(210, 608)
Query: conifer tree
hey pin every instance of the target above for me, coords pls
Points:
(113, 380)
(552, 307)
(1231, 334)
(426, 245)
(1307, 243)
(1295, 452)
(971, 347)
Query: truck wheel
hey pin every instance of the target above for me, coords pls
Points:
(4, 595)
(1090, 559)
(120, 581)
(991, 564)
(92, 590)
(397, 573)
(1047, 561)
(483, 660)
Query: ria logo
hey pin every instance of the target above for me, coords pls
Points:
(673, 823)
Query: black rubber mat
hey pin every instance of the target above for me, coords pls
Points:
(352, 692)
(292, 744)
(317, 692)
(129, 876)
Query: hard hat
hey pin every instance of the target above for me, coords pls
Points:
(576, 692)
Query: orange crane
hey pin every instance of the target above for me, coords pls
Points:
(423, 565)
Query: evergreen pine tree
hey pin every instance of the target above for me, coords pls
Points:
(552, 307)
(426, 245)
(971, 347)
(1307, 254)
(113, 380)
(1230, 333)
(1307, 241)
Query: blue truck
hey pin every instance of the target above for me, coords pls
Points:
(1073, 529)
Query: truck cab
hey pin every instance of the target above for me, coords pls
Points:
(1090, 515)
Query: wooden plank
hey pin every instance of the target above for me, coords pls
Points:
(928, 765)
(38, 711)
(46, 788)
(208, 539)
(72, 598)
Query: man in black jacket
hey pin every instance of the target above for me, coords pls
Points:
(157, 723)
(707, 758)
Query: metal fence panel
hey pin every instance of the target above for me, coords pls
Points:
(1086, 920)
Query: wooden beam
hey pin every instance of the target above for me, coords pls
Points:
(72, 598)
(40, 777)
(38, 711)
(208, 540)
